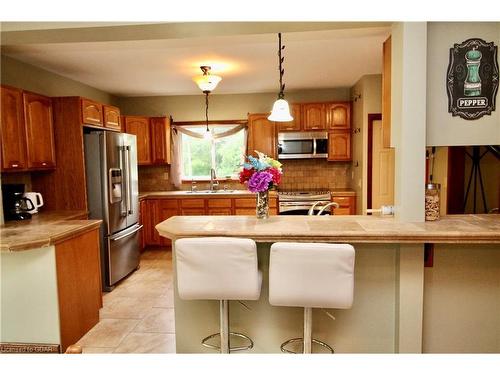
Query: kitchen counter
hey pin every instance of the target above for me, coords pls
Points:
(352, 229)
(44, 229)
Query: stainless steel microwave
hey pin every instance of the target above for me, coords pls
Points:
(302, 145)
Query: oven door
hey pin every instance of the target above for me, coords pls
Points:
(302, 208)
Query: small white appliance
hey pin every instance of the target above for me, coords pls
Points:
(37, 200)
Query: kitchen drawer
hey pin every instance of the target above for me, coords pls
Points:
(168, 203)
(342, 201)
(216, 203)
(245, 211)
(245, 202)
(192, 203)
(192, 211)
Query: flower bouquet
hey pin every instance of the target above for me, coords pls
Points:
(260, 175)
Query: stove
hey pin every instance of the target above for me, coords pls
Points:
(299, 202)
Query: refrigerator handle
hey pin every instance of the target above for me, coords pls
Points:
(130, 210)
(123, 213)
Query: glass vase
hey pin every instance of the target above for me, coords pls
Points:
(262, 210)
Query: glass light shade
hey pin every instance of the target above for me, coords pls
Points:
(208, 135)
(280, 112)
(207, 82)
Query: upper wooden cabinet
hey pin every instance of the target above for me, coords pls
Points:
(160, 140)
(386, 93)
(262, 135)
(39, 131)
(313, 116)
(139, 125)
(12, 130)
(296, 124)
(338, 116)
(339, 145)
(112, 119)
(91, 112)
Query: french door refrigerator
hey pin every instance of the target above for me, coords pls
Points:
(112, 194)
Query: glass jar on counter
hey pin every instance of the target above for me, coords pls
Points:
(432, 205)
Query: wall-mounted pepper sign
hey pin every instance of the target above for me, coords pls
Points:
(472, 79)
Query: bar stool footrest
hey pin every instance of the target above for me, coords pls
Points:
(300, 339)
(231, 349)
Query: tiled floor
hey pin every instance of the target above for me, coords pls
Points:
(138, 315)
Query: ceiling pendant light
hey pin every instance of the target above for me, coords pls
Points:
(281, 109)
(207, 82)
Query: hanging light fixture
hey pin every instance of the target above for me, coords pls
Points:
(207, 82)
(281, 109)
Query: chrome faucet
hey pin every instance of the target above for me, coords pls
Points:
(214, 184)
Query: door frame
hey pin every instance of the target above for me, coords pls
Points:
(371, 118)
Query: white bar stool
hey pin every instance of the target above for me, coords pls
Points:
(311, 275)
(218, 268)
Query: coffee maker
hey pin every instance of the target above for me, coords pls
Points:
(15, 206)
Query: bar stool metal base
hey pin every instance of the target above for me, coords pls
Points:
(300, 339)
(231, 349)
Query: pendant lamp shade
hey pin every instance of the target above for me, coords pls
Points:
(280, 112)
(207, 82)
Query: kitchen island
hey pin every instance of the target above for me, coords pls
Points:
(399, 305)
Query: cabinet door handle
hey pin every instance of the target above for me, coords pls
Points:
(44, 164)
(14, 165)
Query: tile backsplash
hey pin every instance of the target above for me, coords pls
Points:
(300, 174)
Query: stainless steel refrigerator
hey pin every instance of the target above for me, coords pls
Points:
(112, 194)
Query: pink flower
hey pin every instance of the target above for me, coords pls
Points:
(260, 181)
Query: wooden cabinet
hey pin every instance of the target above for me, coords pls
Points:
(347, 205)
(39, 131)
(386, 92)
(192, 207)
(262, 135)
(78, 271)
(338, 116)
(160, 140)
(12, 130)
(92, 112)
(112, 118)
(246, 206)
(139, 126)
(296, 124)
(166, 209)
(313, 116)
(222, 206)
(339, 145)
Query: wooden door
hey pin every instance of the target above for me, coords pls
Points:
(338, 116)
(313, 116)
(152, 217)
(39, 131)
(12, 130)
(139, 126)
(262, 135)
(91, 112)
(112, 117)
(160, 140)
(339, 145)
(386, 92)
(295, 124)
(382, 169)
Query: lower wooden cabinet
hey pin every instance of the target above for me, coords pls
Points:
(347, 205)
(156, 210)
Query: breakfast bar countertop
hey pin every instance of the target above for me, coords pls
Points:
(44, 229)
(353, 229)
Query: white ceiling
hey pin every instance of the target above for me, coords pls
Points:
(246, 63)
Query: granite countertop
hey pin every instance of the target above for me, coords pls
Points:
(351, 229)
(222, 193)
(44, 229)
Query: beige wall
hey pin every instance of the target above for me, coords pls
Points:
(370, 89)
(28, 77)
(442, 128)
(221, 107)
